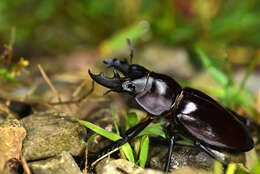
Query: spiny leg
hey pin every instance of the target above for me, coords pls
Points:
(224, 161)
(129, 134)
(170, 149)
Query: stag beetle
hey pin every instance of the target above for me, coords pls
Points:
(211, 126)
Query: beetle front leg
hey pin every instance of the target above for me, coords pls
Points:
(129, 134)
(168, 162)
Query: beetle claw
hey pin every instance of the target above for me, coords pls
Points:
(116, 74)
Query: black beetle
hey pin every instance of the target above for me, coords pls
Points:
(207, 123)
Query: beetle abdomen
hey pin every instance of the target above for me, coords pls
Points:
(210, 123)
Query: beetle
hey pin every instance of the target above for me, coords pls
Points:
(193, 113)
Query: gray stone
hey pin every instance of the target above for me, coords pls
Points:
(62, 164)
(183, 156)
(187, 156)
(50, 133)
(122, 166)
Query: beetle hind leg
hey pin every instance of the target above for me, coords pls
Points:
(211, 153)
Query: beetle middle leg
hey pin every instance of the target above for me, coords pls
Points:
(168, 162)
(129, 134)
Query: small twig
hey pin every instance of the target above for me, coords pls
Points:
(25, 165)
(78, 100)
(85, 170)
(77, 91)
(46, 78)
(51, 105)
(95, 162)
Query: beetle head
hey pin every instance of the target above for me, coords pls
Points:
(134, 79)
(154, 92)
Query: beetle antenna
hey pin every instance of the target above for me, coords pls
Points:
(131, 50)
(108, 91)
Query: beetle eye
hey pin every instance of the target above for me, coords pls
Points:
(128, 86)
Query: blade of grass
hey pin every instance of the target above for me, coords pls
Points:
(114, 119)
(133, 32)
(231, 168)
(131, 120)
(249, 70)
(217, 167)
(185, 141)
(110, 135)
(127, 149)
(214, 72)
(144, 151)
(153, 130)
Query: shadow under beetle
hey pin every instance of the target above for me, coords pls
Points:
(211, 126)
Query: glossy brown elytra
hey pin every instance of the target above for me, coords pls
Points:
(211, 126)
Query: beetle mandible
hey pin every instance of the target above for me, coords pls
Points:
(207, 123)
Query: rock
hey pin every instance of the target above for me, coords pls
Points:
(11, 139)
(118, 167)
(2, 116)
(187, 170)
(62, 164)
(50, 133)
(183, 156)
(122, 166)
(187, 156)
(148, 171)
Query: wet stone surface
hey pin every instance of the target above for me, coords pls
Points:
(50, 133)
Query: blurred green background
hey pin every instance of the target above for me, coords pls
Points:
(209, 33)
(213, 33)
(54, 27)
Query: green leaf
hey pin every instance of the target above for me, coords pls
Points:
(144, 151)
(231, 168)
(114, 120)
(126, 148)
(153, 130)
(110, 135)
(133, 32)
(131, 120)
(185, 140)
(217, 167)
(214, 72)
(249, 70)
(256, 168)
